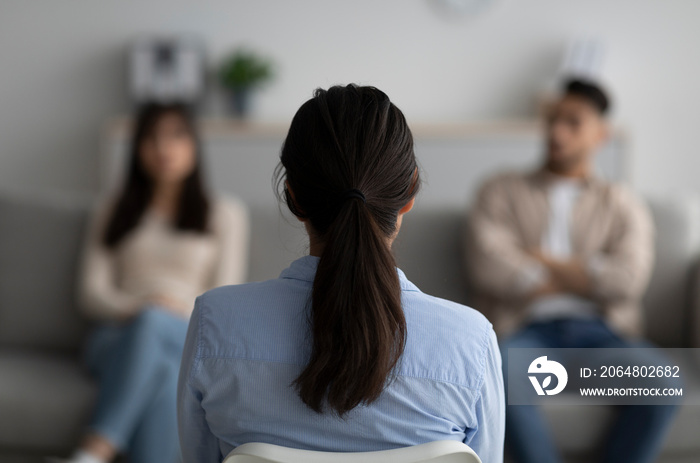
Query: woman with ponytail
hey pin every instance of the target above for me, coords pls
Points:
(341, 352)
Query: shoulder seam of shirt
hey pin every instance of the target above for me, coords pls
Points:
(485, 348)
(200, 340)
(437, 380)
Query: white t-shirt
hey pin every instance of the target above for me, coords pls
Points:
(556, 242)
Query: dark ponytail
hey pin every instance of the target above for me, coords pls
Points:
(349, 162)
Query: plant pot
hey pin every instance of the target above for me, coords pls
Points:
(240, 102)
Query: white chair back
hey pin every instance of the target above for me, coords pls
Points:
(444, 451)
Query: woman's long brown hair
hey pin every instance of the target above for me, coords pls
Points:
(348, 138)
(137, 191)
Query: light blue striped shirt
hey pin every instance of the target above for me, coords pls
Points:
(247, 343)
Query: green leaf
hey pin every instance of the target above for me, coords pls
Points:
(245, 69)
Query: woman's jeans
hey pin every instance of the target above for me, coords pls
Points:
(636, 436)
(136, 365)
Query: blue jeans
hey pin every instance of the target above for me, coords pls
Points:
(639, 432)
(136, 365)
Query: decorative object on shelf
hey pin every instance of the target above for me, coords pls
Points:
(242, 72)
(166, 69)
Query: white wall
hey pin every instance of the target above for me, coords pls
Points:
(62, 70)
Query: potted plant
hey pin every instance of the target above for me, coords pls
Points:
(242, 72)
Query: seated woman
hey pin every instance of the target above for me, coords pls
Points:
(341, 352)
(149, 253)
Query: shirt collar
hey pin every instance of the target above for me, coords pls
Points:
(304, 268)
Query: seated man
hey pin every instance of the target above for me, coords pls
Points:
(560, 259)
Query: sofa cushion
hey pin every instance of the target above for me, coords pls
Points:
(40, 243)
(45, 401)
(666, 303)
(428, 249)
(277, 238)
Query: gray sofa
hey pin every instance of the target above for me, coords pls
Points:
(46, 396)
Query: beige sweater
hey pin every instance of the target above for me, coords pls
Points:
(611, 229)
(155, 260)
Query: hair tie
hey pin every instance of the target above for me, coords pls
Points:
(353, 193)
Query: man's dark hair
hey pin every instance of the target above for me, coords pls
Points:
(589, 91)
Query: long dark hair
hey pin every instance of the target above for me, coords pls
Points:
(135, 196)
(347, 138)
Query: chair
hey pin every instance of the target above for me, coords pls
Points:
(444, 451)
